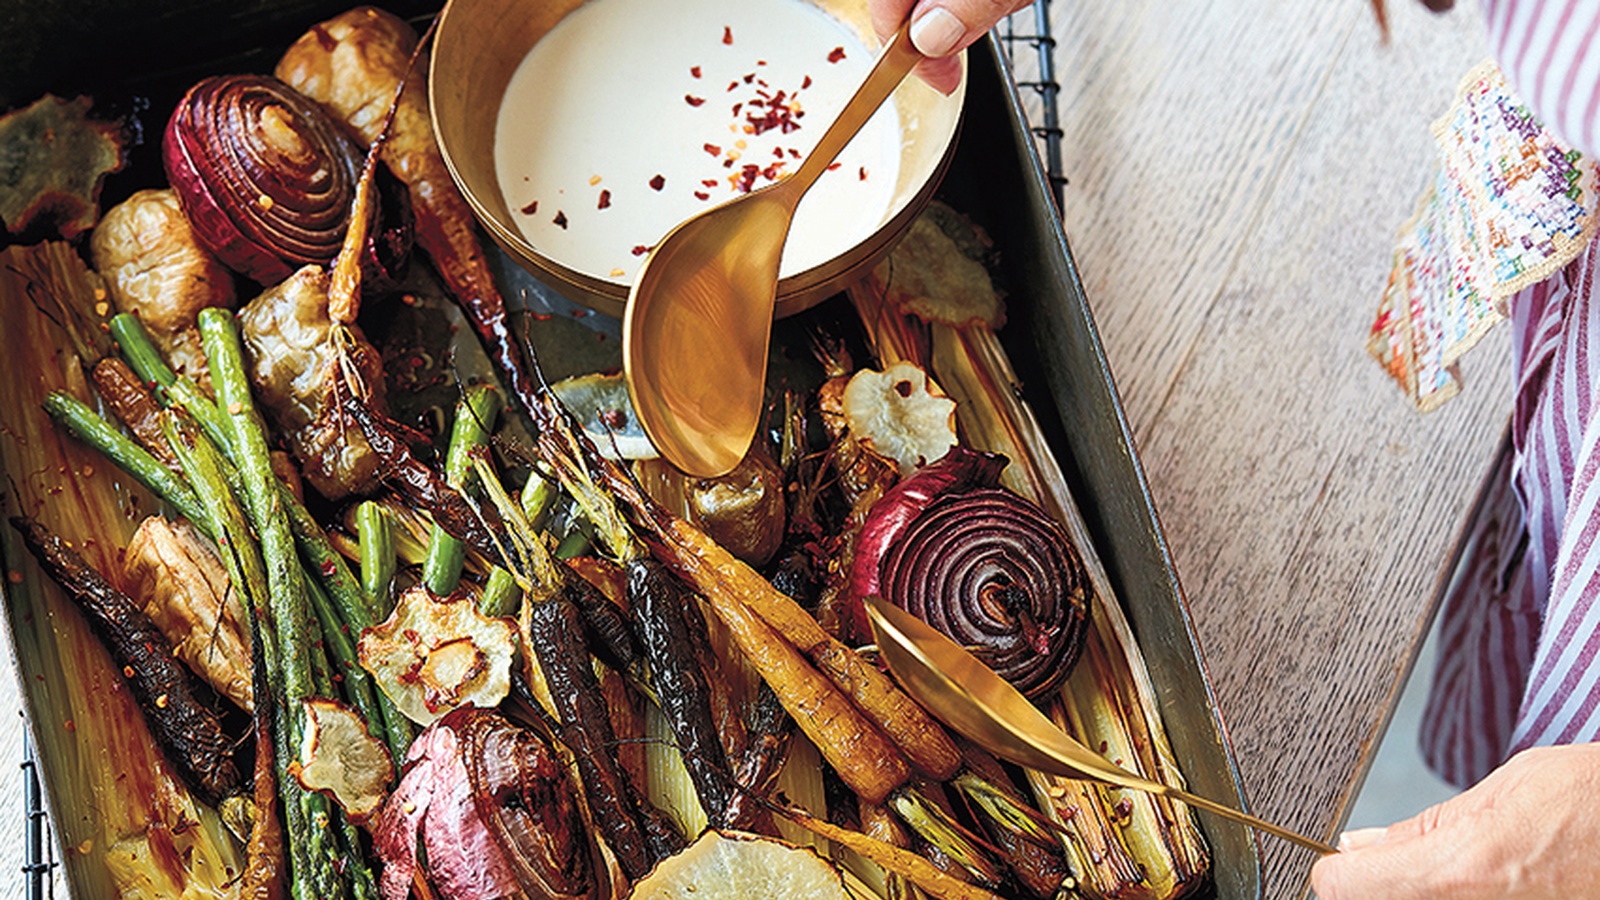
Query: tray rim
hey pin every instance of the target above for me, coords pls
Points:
(1037, 182)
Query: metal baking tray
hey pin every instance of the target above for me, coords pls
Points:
(997, 178)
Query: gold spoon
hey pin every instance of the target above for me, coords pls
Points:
(699, 315)
(958, 688)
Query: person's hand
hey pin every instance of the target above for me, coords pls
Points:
(940, 28)
(1529, 830)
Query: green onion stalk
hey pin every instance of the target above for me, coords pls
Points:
(475, 416)
(375, 531)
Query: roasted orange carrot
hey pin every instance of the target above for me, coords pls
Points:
(857, 750)
(265, 870)
(862, 754)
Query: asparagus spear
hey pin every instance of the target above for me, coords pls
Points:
(289, 607)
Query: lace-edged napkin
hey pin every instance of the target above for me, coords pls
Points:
(1508, 208)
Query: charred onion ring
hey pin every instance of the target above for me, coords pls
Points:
(981, 564)
(263, 173)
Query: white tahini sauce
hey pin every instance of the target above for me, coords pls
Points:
(632, 115)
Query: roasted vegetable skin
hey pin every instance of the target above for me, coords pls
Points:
(657, 604)
(189, 732)
(554, 628)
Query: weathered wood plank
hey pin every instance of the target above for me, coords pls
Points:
(1238, 173)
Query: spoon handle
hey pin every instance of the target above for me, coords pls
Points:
(1260, 824)
(893, 64)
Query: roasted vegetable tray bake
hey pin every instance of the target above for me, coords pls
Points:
(1053, 411)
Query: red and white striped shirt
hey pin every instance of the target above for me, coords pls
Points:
(1519, 640)
(1550, 52)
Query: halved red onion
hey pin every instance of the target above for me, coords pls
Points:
(981, 564)
(527, 802)
(492, 812)
(265, 176)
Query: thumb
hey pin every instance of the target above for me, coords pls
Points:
(941, 29)
(1405, 862)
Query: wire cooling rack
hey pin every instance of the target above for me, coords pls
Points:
(1030, 46)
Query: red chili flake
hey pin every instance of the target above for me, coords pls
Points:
(737, 107)
(732, 85)
(832, 166)
(693, 100)
(605, 196)
(713, 149)
(695, 71)
(658, 182)
(701, 195)
(640, 249)
(727, 163)
(560, 220)
(806, 83)
(749, 78)
(727, 35)
(770, 173)
(761, 62)
(613, 418)
(835, 54)
(708, 182)
(531, 208)
(14, 576)
(746, 178)
(793, 153)
(762, 82)
(863, 173)
(328, 568)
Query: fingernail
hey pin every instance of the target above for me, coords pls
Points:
(936, 32)
(1361, 837)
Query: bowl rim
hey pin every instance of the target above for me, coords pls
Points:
(796, 292)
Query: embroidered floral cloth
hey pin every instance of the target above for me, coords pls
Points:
(1507, 209)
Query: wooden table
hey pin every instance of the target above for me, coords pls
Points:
(1238, 171)
(1237, 174)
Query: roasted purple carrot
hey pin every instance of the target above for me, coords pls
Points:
(188, 730)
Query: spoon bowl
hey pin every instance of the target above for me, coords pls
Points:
(699, 314)
(968, 696)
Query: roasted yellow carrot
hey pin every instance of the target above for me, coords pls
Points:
(713, 570)
(857, 750)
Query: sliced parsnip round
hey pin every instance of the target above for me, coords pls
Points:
(340, 757)
(900, 415)
(432, 655)
(601, 404)
(737, 866)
